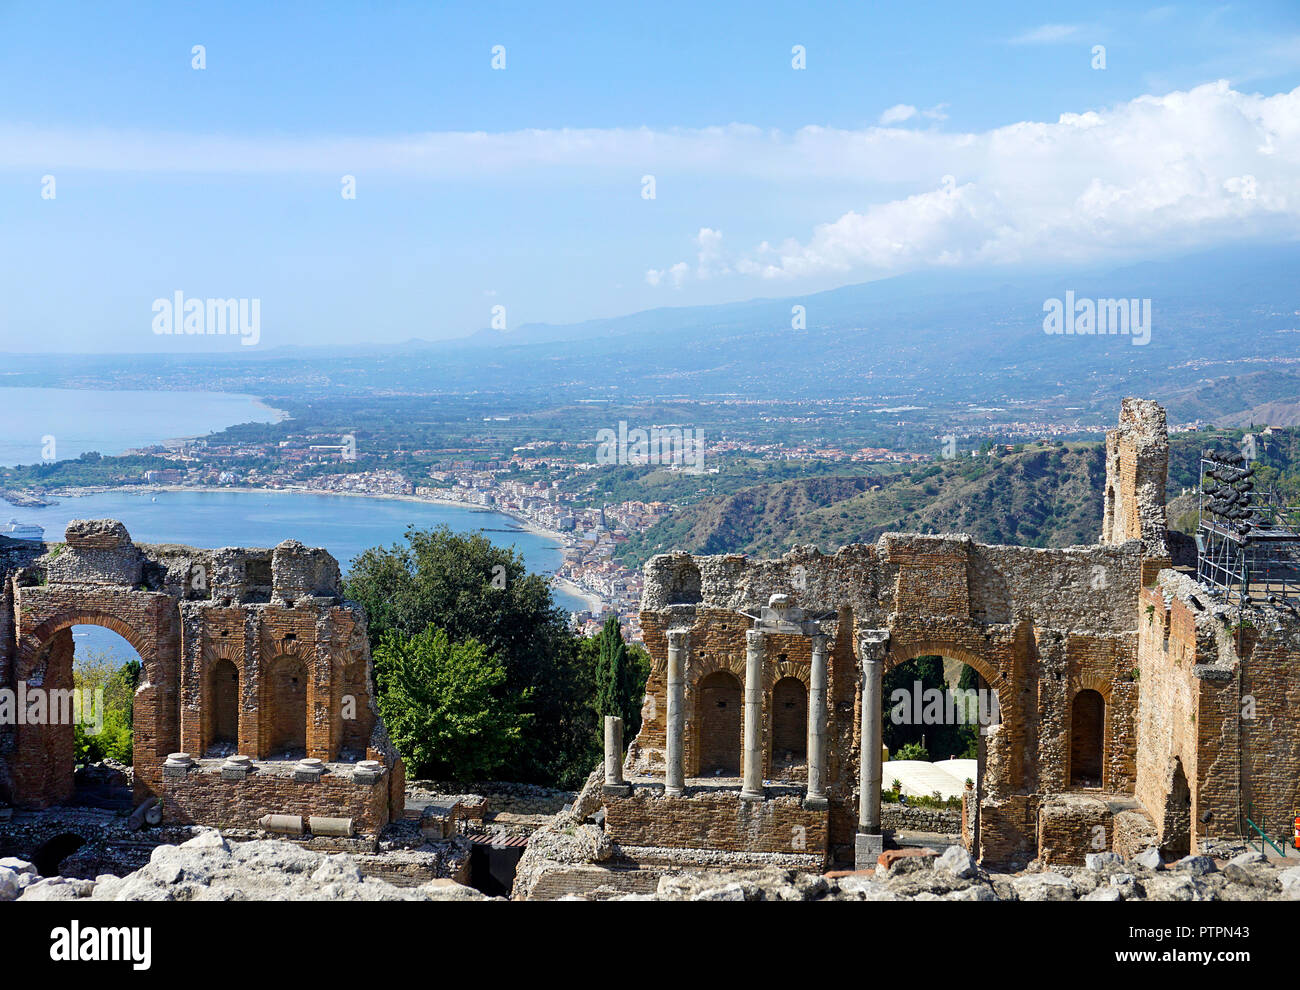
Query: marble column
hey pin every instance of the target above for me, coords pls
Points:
(614, 782)
(674, 775)
(816, 796)
(870, 843)
(753, 753)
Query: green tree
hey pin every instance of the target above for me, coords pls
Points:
(620, 676)
(943, 738)
(474, 590)
(446, 705)
(99, 672)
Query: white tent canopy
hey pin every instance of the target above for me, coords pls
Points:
(922, 779)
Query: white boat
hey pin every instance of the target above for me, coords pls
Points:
(22, 531)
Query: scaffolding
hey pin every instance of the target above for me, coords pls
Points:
(1247, 541)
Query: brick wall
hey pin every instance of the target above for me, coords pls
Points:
(204, 796)
(715, 820)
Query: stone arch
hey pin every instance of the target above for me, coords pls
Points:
(1091, 681)
(720, 661)
(36, 640)
(155, 723)
(1088, 711)
(789, 708)
(997, 748)
(788, 668)
(284, 708)
(718, 725)
(905, 652)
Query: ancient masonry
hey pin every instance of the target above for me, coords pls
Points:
(1121, 684)
(254, 698)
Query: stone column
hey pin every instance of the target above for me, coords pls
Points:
(870, 843)
(674, 775)
(752, 790)
(816, 797)
(614, 782)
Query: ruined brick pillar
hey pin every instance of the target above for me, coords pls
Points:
(1137, 464)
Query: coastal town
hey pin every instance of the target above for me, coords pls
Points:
(588, 536)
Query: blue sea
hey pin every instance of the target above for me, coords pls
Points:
(74, 421)
(344, 525)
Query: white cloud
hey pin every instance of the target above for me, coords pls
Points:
(709, 261)
(902, 112)
(897, 114)
(1194, 168)
(1047, 34)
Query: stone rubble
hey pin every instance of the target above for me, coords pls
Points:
(953, 876)
(208, 868)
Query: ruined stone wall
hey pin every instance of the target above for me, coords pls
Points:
(1219, 699)
(189, 612)
(1089, 588)
(1187, 682)
(1040, 627)
(1137, 468)
(204, 796)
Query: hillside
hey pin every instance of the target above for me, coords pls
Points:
(1039, 496)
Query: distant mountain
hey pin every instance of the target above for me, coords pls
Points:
(1223, 341)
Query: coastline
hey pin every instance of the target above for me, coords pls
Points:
(593, 601)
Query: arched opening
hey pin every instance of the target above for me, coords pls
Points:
(223, 709)
(789, 723)
(1177, 831)
(933, 708)
(288, 709)
(79, 697)
(47, 858)
(1087, 737)
(357, 721)
(106, 670)
(721, 711)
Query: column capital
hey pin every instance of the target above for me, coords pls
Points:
(819, 640)
(678, 638)
(873, 644)
(754, 639)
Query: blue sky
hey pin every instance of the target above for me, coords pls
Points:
(919, 136)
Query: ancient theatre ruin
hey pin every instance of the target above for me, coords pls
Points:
(254, 699)
(1121, 683)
